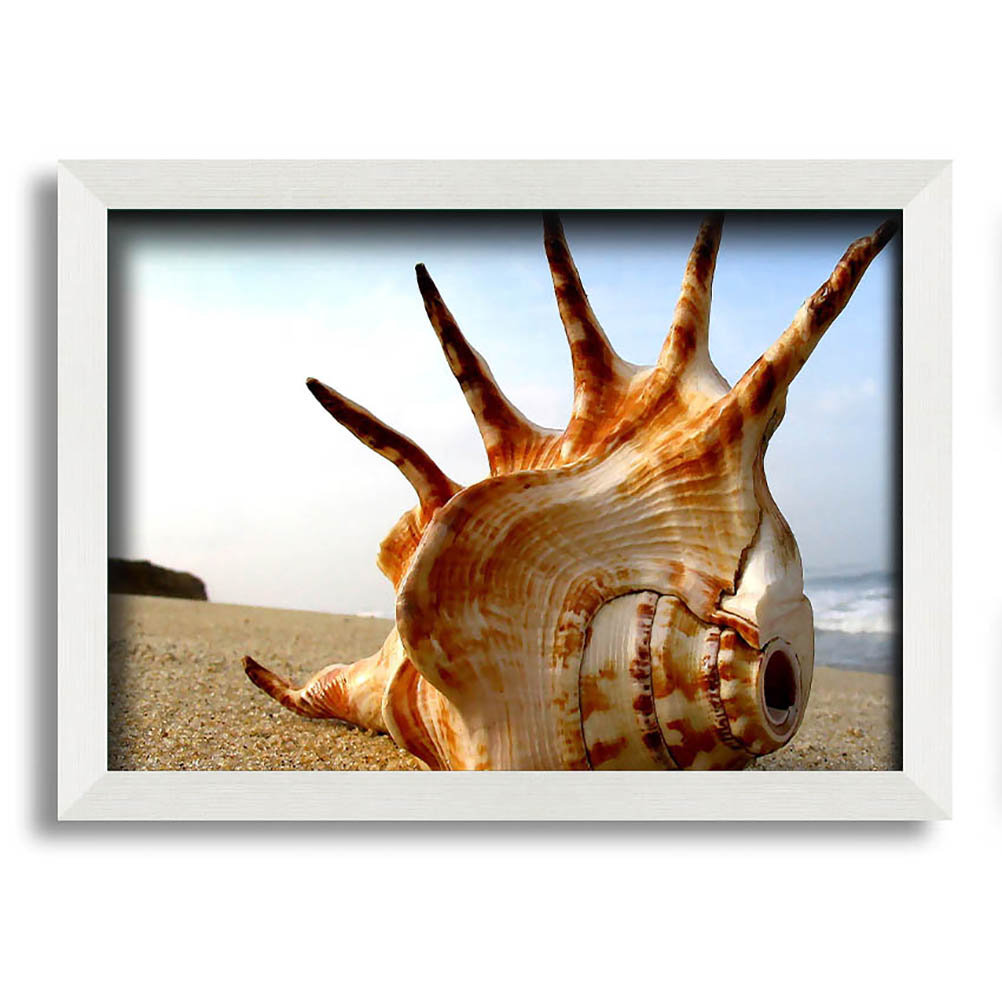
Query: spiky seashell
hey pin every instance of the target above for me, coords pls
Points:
(622, 594)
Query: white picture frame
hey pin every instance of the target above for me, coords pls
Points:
(88, 190)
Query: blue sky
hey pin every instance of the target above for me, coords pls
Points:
(224, 465)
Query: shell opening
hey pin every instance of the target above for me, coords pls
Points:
(780, 688)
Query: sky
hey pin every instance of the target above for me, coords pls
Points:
(222, 463)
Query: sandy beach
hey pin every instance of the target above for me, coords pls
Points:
(179, 699)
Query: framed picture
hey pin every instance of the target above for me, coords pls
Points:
(160, 415)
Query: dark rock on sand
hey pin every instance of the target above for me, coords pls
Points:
(129, 576)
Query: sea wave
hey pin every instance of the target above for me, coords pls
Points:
(860, 603)
(862, 651)
(856, 619)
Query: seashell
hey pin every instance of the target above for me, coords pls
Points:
(622, 594)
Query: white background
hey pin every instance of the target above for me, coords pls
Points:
(486, 914)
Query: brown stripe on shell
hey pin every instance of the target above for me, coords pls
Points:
(616, 695)
(603, 754)
(686, 690)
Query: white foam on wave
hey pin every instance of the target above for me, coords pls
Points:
(854, 605)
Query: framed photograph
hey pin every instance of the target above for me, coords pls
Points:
(640, 587)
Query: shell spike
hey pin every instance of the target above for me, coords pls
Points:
(350, 692)
(688, 337)
(498, 421)
(282, 690)
(432, 486)
(594, 360)
(762, 389)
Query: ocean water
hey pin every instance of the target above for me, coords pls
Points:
(856, 619)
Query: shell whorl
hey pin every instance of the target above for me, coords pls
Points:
(623, 593)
